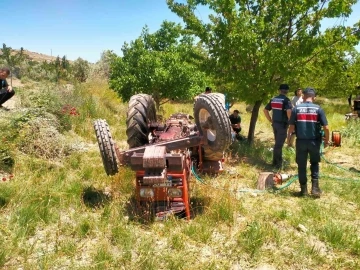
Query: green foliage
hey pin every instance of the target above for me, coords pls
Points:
(6, 158)
(334, 73)
(252, 238)
(46, 223)
(337, 235)
(352, 132)
(80, 69)
(84, 228)
(34, 211)
(61, 67)
(164, 64)
(12, 60)
(53, 71)
(256, 45)
(101, 69)
(103, 258)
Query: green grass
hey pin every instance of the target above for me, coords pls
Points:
(61, 211)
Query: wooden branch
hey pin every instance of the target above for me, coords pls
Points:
(290, 26)
(304, 16)
(166, 101)
(332, 44)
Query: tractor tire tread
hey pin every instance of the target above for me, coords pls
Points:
(141, 111)
(106, 146)
(212, 104)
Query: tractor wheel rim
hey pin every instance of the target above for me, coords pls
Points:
(211, 132)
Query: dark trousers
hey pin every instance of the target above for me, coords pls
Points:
(5, 96)
(280, 133)
(236, 130)
(303, 149)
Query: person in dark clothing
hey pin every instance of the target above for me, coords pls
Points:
(281, 108)
(235, 121)
(306, 120)
(6, 91)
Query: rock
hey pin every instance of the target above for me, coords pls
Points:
(265, 267)
(107, 191)
(236, 266)
(302, 228)
(206, 252)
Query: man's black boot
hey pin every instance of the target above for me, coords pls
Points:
(315, 190)
(303, 191)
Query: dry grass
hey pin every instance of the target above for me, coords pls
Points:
(65, 213)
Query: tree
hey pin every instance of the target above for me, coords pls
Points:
(256, 45)
(102, 67)
(332, 75)
(332, 71)
(80, 69)
(164, 64)
(65, 63)
(12, 59)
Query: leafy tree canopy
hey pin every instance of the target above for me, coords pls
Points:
(80, 69)
(12, 59)
(164, 64)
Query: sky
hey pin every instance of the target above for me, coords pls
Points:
(85, 28)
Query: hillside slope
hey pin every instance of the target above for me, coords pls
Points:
(38, 57)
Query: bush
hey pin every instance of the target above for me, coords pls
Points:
(41, 137)
(352, 132)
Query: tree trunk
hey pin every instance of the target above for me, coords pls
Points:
(157, 102)
(253, 120)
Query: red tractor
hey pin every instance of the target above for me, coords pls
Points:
(163, 154)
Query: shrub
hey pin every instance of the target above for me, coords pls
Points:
(352, 132)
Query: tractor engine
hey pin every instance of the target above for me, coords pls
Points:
(177, 126)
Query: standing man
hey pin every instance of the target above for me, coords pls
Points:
(281, 107)
(306, 120)
(208, 90)
(298, 98)
(6, 91)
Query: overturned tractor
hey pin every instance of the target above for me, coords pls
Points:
(163, 154)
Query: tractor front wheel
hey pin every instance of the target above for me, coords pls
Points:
(107, 146)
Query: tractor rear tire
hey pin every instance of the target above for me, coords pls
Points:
(210, 114)
(107, 146)
(141, 112)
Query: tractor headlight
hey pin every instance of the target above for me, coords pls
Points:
(174, 192)
(146, 192)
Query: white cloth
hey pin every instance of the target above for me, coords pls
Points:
(296, 100)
